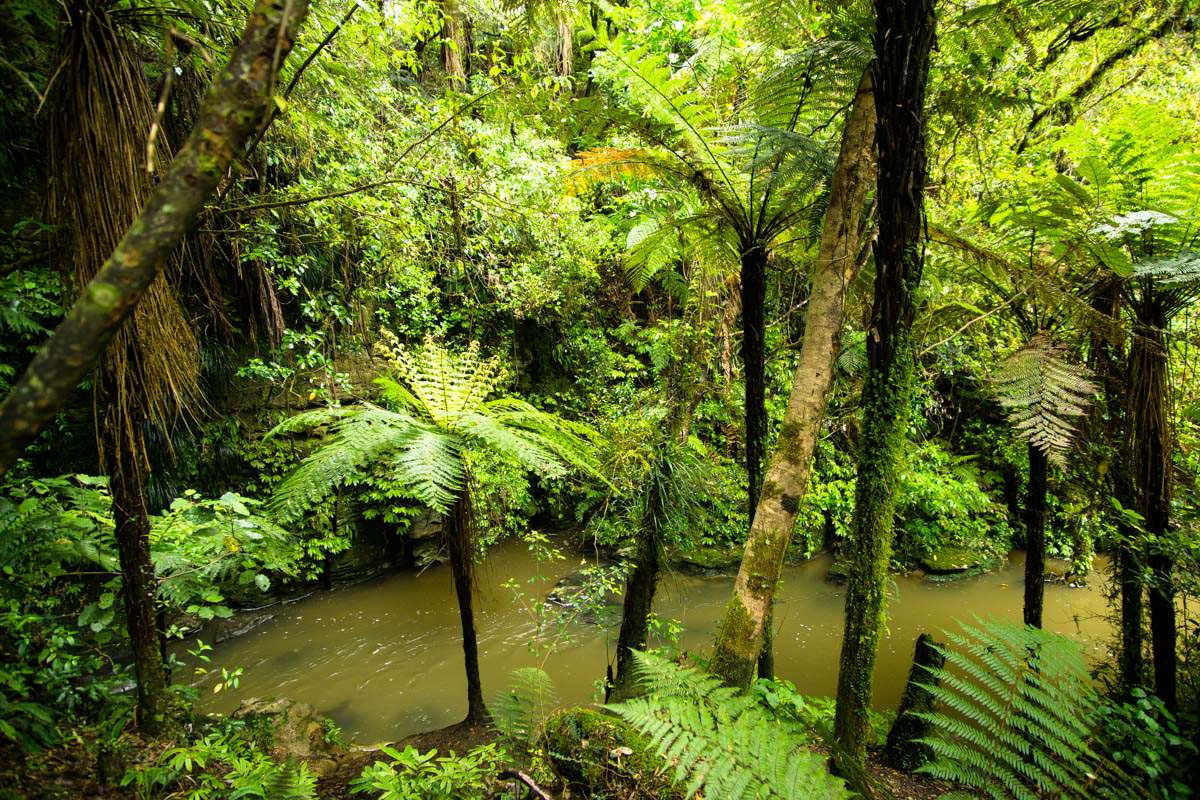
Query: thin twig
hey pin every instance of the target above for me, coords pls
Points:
(528, 781)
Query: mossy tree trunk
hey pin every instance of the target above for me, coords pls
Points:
(1150, 428)
(461, 544)
(743, 628)
(1109, 364)
(234, 108)
(903, 40)
(1035, 537)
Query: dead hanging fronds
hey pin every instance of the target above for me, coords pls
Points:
(100, 115)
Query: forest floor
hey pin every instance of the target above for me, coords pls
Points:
(74, 771)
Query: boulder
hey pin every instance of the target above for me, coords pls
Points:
(296, 730)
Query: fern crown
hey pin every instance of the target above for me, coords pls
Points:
(439, 412)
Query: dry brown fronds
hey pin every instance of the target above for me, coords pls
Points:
(101, 114)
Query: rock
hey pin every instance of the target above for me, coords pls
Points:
(709, 560)
(222, 630)
(426, 526)
(839, 572)
(587, 599)
(603, 756)
(951, 563)
(296, 730)
(371, 552)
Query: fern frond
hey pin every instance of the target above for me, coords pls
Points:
(1041, 391)
(358, 436)
(722, 742)
(1017, 703)
(520, 711)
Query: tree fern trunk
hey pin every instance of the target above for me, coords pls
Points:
(903, 40)
(460, 544)
(754, 299)
(1152, 475)
(1035, 537)
(739, 641)
(127, 479)
(635, 614)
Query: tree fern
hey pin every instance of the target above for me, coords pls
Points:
(721, 741)
(1016, 724)
(1041, 391)
(440, 411)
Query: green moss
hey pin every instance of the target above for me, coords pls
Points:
(602, 756)
(104, 296)
(737, 631)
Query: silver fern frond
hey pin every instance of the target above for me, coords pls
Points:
(1042, 393)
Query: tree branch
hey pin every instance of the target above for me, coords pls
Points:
(236, 105)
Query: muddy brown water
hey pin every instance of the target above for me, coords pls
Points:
(383, 658)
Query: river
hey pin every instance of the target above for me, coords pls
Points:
(383, 658)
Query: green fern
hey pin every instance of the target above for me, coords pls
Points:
(721, 741)
(1041, 391)
(440, 412)
(1018, 703)
(520, 711)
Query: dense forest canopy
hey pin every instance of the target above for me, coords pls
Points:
(297, 292)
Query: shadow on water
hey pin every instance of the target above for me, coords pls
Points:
(383, 658)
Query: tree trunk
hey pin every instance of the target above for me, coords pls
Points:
(635, 614)
(237, 103)
(1152, 477)
(741, 635)
(754, 300)
(453, 43)
(459, 542)
(903, 751)
(1107, 361)
(127, 484)
(1035, 537)
(904, 37)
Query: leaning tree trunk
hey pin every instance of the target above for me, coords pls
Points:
(460, 543)
(236, 105)
(746, 618)
(903, 40)
(1152, 475)
(1035, 537)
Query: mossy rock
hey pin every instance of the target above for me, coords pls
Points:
(602, 756)
(708, 560)
(839, 572)
(952, 563)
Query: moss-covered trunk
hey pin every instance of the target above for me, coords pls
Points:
(1035, 537)
(903, 40)
(740, 639)
(460, 543)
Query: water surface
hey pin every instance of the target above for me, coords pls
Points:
(383, 658)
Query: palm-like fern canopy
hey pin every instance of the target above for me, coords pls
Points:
(438, 412)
